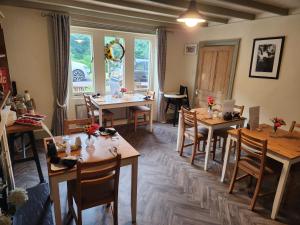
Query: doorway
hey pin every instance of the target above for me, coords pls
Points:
(215, 71)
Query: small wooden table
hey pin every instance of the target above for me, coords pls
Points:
(11, 133)
(129, 156)
(283, 147)
(110, 102)
(211, 124)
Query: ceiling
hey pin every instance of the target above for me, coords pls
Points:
(149, 14)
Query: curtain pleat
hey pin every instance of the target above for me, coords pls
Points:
(61, 36)
(161, 66)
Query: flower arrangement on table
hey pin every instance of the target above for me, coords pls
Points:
(277, 122)
(123, 90)
(15, 199)
(91, 130)
(210, 102)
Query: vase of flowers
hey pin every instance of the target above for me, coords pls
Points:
(210, 104)
(277, 122)
(123, 91)
(91, 130)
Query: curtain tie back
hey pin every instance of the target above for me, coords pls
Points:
(59, 105)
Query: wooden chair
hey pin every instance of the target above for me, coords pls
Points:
(76, 126)
(97, 183)
(251, 158)
(223, 133)
(293, 126)
(191, 132)
(93, 112)
(137, 111)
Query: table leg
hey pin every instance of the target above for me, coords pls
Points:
(151, 117)
(134, 176)
(179, 132)
(11, 144)
(36, 157)
(226, 158)
(54, 188)
(209, 137)
(100, 117)
(280, 188)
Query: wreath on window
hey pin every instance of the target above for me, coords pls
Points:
(114, 51)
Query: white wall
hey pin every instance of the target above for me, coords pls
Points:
(29, 55)
(276, 97)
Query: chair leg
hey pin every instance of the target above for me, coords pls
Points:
(256, 192)
(135, 120)
(115, 213)
(79, 217)
(182, 144)
(194, 152)
(167, 107)
(233, 179)
(214, 148)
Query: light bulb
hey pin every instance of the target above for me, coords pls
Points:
(191, 22)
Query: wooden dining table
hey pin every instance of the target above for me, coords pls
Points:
(127, 100)
(283, 147)
(211, 124)
(129, 156)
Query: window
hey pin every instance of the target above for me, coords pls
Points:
(141, 64)
(81, 63)
(114, 71)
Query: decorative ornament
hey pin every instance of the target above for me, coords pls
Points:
(111, 53)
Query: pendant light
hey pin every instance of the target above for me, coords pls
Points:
(191, 17)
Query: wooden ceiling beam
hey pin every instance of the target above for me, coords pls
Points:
(203, 7)
(261, 6)
(87, 9)
(133, 6)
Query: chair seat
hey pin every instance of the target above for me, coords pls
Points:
(223, 132)
(189, 133)
(106, 192)
(105, 112)
(139, 109)
(248, 164)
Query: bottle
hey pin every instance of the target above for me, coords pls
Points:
(27, 96)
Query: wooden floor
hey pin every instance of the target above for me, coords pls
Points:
(171, 191)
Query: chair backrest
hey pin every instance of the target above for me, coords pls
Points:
(93, 175)
(151, 94)
(239, 109)
(89, 105)
(252, 146)
(76, 126)
(294, 126)
(189, 119)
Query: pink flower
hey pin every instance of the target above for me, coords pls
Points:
(124, 89)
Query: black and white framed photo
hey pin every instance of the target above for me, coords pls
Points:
(266, 57)
(190, 49)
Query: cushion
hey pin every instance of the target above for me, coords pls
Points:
(139, 108)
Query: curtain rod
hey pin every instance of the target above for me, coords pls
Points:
(45, 14)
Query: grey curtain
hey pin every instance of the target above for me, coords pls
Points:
(161, 66)
(61, 36)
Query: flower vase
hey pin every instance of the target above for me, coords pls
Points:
(210, 112)
(90, 143)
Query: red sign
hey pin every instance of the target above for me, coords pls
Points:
(4, 80)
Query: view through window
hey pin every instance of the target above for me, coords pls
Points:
(82, 63)
(141, 64)
(114, 70)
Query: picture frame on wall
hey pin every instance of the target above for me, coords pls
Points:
(190, 49)
(266, 57)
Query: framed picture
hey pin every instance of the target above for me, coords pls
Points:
(190, 49)
(266, 57)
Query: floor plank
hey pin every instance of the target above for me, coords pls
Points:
(171, 191)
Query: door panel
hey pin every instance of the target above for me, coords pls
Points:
(214, 68)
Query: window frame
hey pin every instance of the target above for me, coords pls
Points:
(76, 30)
(151, 65)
